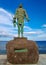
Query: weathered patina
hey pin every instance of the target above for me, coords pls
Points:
(20, 15)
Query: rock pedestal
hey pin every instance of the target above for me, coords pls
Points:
(22, 51)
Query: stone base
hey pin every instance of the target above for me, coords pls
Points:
(22, 51)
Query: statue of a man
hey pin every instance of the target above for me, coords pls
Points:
(20, 15)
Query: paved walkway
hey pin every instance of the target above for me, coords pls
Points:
(42, 60)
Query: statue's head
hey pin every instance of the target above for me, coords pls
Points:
(20, 6)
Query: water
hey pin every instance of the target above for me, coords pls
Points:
(41, 46)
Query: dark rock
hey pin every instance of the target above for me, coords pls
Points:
(22, 51)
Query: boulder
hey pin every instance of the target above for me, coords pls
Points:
(22, 51)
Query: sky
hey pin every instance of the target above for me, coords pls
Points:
(35, 29)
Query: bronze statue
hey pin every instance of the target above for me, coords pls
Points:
(20, 15)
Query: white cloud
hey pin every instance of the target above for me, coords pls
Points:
(42, 36)
(4, 11)
(36, 35)
(26, 27)
(5, 17)
(44, 25)
(35, 31)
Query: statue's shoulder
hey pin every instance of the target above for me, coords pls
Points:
(23, 9)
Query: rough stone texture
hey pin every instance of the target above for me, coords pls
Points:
(42, 60)
(29, 57)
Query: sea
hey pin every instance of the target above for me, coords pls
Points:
(41, 47)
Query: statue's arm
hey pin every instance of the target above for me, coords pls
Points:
(15, 16)
(26, 15)
(14, 19)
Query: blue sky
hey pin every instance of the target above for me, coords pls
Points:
(35, 29)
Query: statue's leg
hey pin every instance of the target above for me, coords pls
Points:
(22, 29)
(18, 30)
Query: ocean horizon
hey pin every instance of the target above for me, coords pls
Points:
(41, 47)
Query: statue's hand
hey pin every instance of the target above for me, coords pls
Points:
(14, 22)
